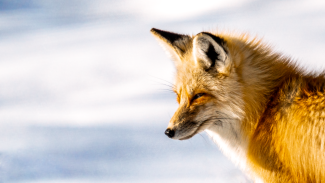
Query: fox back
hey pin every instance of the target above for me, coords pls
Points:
(263, 112)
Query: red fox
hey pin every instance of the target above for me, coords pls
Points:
(265, 114)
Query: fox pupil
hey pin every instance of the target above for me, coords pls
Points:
(197, 96)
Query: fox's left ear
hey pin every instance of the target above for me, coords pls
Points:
(174, 44)
(210, 52)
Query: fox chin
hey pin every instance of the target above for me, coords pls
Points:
(265, 113)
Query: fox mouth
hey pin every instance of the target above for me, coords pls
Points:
(188, 137)
(197, 130)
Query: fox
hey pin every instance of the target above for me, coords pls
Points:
(264, 111)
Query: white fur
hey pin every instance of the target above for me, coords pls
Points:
(233, 144)
(230, 140)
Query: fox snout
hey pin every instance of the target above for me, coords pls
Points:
(183, 128)
(186, 122)
(170, 133)
(178, 125)
(184, 131)
(174, 128)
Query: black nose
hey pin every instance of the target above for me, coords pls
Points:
(170, 133)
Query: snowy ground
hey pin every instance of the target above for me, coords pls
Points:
(83, 85)
(112, 154)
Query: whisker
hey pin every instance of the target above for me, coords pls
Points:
(169, 86)
(169, 90)
(217, 121)
(206, 142)
(216, 118)
(168, 83)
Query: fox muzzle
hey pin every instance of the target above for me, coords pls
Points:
(170, 133)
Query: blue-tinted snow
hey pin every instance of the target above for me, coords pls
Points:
(112, 154)
(85, 88)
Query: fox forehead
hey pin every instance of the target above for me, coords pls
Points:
(190, 81)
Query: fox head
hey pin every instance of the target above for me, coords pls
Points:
(207, 87)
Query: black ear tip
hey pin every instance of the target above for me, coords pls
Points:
(153, 30)
(157, 31)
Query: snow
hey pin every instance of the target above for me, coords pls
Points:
(76, 74)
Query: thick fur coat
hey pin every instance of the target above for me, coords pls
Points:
(265, 114)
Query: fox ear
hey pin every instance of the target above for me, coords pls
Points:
(210, 52)
(174, 44)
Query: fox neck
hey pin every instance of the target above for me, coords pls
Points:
(260, 72)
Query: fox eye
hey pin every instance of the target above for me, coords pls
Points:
(197, 96)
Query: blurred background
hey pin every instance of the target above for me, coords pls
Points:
(84, 85)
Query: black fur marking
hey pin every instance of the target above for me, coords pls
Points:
(213, 55)
(170, 36)
(219, 40)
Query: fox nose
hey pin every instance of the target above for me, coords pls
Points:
(170, 133)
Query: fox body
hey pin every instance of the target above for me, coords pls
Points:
(265, 114)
